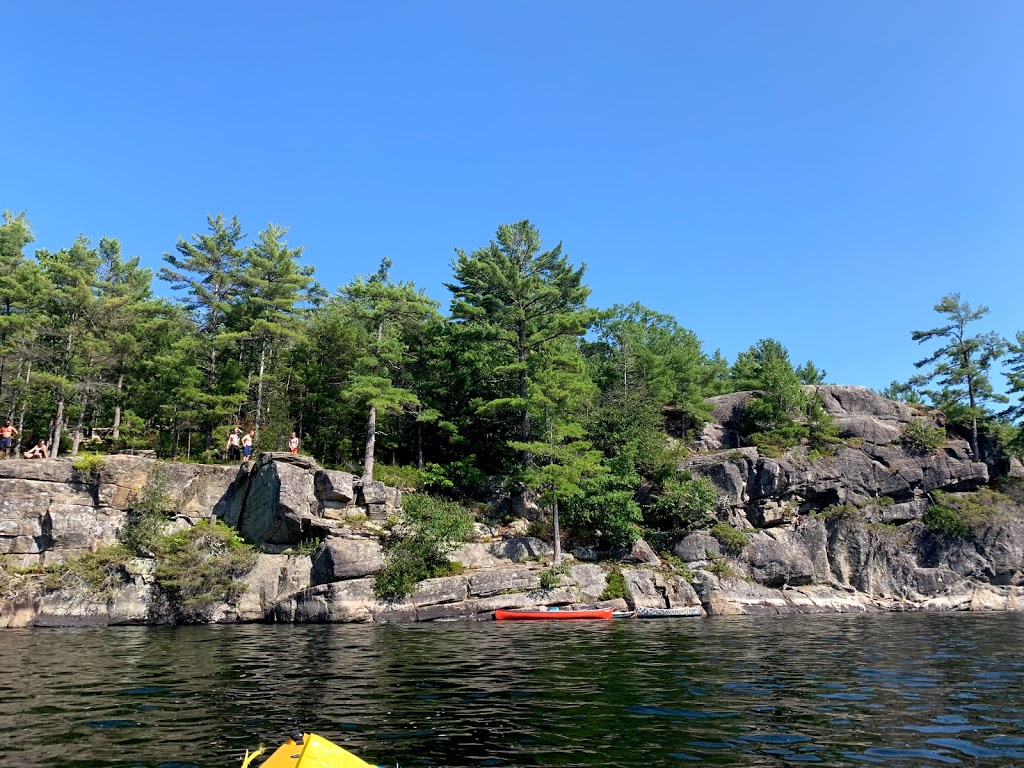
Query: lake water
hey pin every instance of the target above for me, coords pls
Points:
(904, 690)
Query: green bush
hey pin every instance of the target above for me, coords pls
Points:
(200, 567)
(948, 520)
(722, 569)
(732, 539)
(919, 437)
(147, 516)
(685, 502)
(421, 548)
(100, 573)
(460, 478)
(87, 466)
(615, 589)
(406, 478)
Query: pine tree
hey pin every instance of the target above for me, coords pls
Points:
(962, 364)
(520, 299)
(277, 291)
(209, 271)
(387, 314)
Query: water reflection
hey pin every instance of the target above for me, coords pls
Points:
(908, 690)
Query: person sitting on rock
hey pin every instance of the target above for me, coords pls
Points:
(38, 452)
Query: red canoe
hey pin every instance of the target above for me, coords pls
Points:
(602, 613)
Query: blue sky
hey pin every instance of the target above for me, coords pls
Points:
(820, 173)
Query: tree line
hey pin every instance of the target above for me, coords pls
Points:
(521, 385)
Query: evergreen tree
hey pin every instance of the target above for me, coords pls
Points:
(962, 364)
(277, 291)
(388, 314)
(563, 458)
(209, 270)
(521, 299)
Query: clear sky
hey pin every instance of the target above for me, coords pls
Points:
(820, 173)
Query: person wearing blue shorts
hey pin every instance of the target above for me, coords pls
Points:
(7, 435)
(247, 446)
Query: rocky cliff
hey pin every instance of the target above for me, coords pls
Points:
(823, 533)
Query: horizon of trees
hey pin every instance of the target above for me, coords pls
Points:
(523, 381)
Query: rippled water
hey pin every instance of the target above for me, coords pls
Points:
(908, 690)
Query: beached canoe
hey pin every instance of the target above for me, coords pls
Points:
(601, 613)
(668, 613)
(307, 750)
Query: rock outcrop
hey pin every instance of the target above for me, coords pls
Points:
(843, 532)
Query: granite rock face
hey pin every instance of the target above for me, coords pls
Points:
(837, 534)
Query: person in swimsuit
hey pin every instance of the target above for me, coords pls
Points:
(7, 435)
(39, 452)
(247, 446)
(293, 444)
(234, 454)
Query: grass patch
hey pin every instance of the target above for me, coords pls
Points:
(87, 466)
(722, 569)
(615, 586)
(732, 539)
(550, 578)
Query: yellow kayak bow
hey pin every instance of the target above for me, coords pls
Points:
(307, 750)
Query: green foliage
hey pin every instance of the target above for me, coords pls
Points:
(606, 512)
(100, 573)
(822, 432)
(147, 516)
(615, 588)
(961, 366)
(947, 520)
(549, 579)
(919, 437)
(685, 502)
(307, 546)
(87, 467)
(200, 567)
(839, 512)
(904, 392)
(461, 478)
(433, 529)
(732, 539)
(676, 565)
(722, 569)
(403, 477)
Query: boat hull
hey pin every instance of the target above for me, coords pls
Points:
(603, 614)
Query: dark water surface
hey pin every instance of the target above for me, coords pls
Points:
(906, 690)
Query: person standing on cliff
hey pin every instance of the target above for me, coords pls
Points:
(247, 446)
(7, 434)
(293, 444)
(234, 454)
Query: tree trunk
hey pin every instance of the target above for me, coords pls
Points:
(419, 445)
(371, 439)
(116, 432)
(77, 439)
(58, 422)
(527, 456)
(557, 559)
(21, 414)
(259, 392)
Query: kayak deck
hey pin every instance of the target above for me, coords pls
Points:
(310, 751)
(600, 613)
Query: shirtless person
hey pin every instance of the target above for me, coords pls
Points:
(293, 444)
(7, 435)
(247, 446)
(39, 452)
(233, 452)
